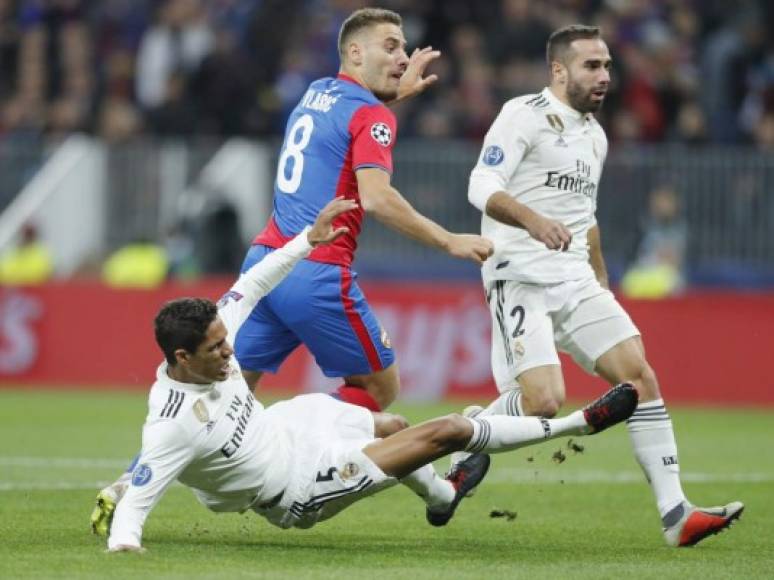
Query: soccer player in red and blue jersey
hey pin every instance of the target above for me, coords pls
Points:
(339, 142)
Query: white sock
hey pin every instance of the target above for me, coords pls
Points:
(431, 487)
(653, 439)
(497, 433)
(509, 403)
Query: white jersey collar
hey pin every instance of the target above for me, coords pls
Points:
(564, 108)
(164, 378)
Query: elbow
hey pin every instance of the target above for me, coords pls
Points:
(367, 202)
(373, 202)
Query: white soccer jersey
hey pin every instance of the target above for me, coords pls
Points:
(549, 157)
(211, 437)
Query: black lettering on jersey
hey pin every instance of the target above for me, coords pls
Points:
(518, 330)
(327, 477)
(234, 408)
(173, 404)
(571, 182)
(237, 437)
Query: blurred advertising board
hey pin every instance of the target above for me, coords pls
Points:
(712, 347)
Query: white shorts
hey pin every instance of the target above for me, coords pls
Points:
(531, 321)
(329, 470)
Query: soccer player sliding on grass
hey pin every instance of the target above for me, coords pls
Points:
(300, 461)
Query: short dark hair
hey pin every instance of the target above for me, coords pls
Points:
(364, 18)
(183, 323)
(560, 40)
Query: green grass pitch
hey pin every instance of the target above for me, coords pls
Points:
(591, 516)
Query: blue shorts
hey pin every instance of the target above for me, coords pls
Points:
(321, 306)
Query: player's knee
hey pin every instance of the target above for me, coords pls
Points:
(452, 433)
(542, 404)
(384, 389)
(550, 408)
(386, 394)
(386, 424)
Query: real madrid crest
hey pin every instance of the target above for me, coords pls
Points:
(557, 125)
(200, 410)
(556, 122)
(349, 471)
(518, 348)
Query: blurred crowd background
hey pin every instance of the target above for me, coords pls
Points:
(685, 70)
(688, 74)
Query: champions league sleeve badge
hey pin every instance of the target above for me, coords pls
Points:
(381, 134)
(493, 155)
(230, 295)
(141, 475)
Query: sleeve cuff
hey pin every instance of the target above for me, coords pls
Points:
(480, 189)
(300, 246)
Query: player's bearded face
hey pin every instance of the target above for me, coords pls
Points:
(588, 75)
(384, 60)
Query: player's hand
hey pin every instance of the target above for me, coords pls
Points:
(553, 234)
(470, 247)
(412, 82)
(322, 231)
(126, 548)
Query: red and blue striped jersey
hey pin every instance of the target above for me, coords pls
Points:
(337, 128)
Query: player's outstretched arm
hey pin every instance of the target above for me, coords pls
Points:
(387, 205)
(412, 82)
(261, 278)
(167, 451)
(505, 209)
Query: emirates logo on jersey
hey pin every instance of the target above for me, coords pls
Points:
(381, 134)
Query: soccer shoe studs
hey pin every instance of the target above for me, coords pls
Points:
(464, 477)
(102, 515)
(613, 407)
(696, 523)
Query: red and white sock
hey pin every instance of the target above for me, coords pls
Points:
(357, 396)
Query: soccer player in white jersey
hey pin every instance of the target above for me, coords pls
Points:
(304, 460)
(536, 184)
